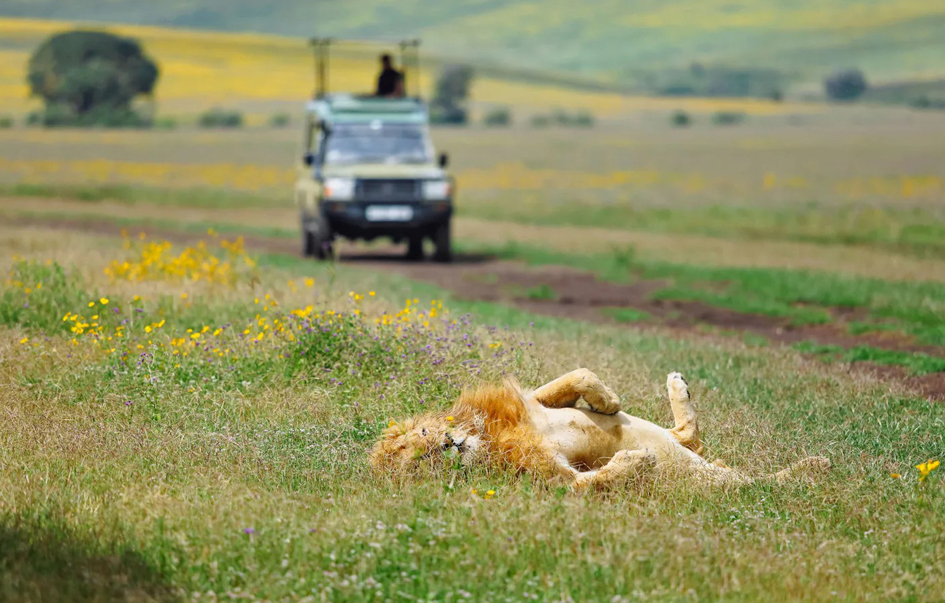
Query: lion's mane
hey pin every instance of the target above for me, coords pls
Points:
(497, 415)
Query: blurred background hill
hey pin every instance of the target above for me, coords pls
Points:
(662, 46)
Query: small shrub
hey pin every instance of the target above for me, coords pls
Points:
(455, 116)
(6, 122)
(583, 119)
(280, 120)
(61, 116)
(165, 123)
(728, 118)
(846, 85)
(924, 102)
(499, 117)
(543, 292)
(558, 117)
(220, 118)
(680, 119)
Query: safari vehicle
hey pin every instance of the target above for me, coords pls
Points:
(369, 170)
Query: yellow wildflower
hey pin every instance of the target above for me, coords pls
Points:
(450, 419)
(103, 301)
(926, 468)
(24, 340)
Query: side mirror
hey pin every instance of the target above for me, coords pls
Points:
(308, 158)
(444, 160)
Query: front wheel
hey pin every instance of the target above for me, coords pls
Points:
(441, 240)
(316, 239)
(415, 249)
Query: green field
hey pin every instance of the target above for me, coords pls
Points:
(187, 422)
(890, 39)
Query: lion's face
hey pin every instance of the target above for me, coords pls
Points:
(405, 446)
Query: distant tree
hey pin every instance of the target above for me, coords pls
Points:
(845, 85)
(499, 117)
(452, 90)
(90, 76)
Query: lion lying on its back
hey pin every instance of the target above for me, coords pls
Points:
(542, 432)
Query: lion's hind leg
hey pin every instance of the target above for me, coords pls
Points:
(686, 430)
(623, 467)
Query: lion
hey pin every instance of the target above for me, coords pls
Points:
(543, 432)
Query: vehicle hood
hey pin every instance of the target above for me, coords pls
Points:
(423, 171)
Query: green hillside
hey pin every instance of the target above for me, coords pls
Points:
(639, 42)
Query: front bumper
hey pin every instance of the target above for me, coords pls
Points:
(349, 218)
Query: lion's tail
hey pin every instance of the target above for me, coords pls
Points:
(804, 468)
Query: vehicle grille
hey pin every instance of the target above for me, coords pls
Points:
(389, 190)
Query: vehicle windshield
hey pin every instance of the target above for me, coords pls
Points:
(376, 143)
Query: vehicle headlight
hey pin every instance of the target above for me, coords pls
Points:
(339, 189)
(437, 190)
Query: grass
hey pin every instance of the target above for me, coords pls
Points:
(134, 195)
(919, 231)
(917, 363)
(248, 478)
(892, 41)
(200, 70)
(541, 293)
(802, 297)
(628, 315)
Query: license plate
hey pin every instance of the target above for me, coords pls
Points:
(389, 213)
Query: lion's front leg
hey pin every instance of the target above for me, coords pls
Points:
(686, 430)
(566, 390)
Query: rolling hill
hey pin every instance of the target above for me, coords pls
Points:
(625, 43)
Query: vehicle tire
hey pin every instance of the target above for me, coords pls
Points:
(441, 239)
(316, 239)
(308, 241)
(415, 248)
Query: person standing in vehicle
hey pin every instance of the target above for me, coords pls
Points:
(390, 82)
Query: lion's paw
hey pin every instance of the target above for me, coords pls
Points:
(677, 387)
(633, 458)
(607, 404)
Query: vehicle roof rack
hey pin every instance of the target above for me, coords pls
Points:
(409, 61)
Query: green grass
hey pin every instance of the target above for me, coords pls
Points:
(802, 297)
(252, 482)
(916, 231)
(133, 195)
(917, 362)
(542, 292)
(627, 315)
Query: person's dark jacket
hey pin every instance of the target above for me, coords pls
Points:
(388, 83)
